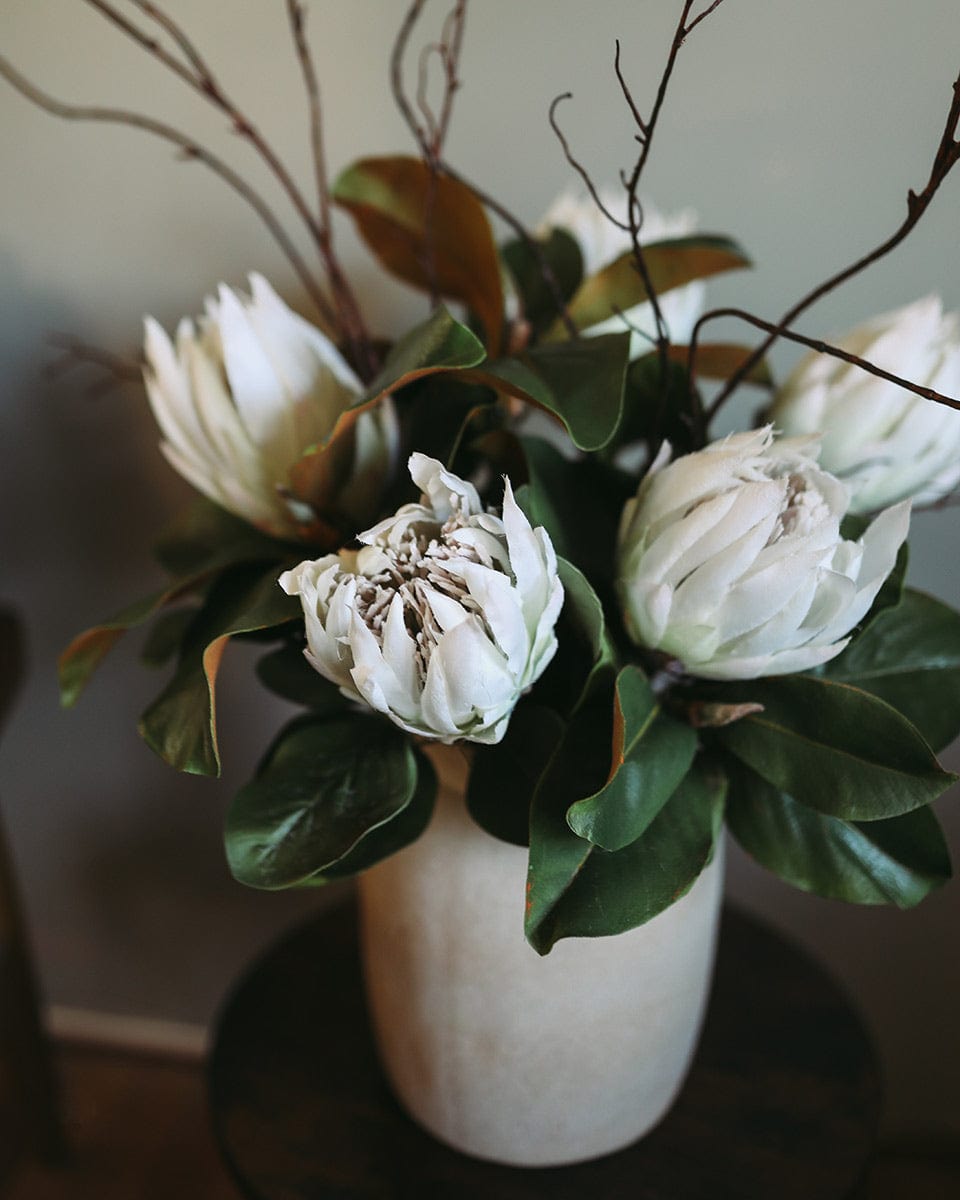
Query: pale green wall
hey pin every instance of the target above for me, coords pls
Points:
(796, 126)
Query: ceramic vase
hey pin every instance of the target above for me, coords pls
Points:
(507, 1055)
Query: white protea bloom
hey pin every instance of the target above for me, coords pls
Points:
(884, 442)
(731, 559)
(601, 241)
(239, 397)
(443, 618)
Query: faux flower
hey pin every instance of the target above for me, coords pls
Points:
(601, 242)
(884, 442)
(443, 618)
(245, 390)
(731, 559)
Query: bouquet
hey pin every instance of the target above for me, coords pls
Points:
(512, 531)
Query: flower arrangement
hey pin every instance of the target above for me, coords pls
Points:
(511, 530)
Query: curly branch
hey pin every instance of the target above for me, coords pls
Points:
(945, 158)
(821, 347)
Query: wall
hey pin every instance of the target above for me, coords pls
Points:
(796, 127)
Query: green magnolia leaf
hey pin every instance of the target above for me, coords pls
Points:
(166, 635)
(440, 343)
(84, 654)
(288, 674)
(654, 412)
(561, 253)
(580, 382)
(429, 230)
(833, 747)
(572, 499)
(909, 655)
(895, 861)
(180, 725)
(504, 777)
(325, 786)
(651, 754)
(202, 541)
(395, 833)
(619, 287)
(584, 665)
(575, 889)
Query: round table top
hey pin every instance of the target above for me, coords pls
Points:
(782, 1100)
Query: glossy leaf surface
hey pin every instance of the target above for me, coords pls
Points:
(651, 754)
(579, 382)
(895, 861)
(325, 786)
(833, 747)
(909, 655)
(180, 725)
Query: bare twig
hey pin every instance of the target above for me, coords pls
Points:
(576, 164)
(190, 150)
(452, 43)
(347, 318)
(945, 158)
(117, 370)
(431, 148)
(296, 15)
(818, 345)
(696, 20)
(396, 75)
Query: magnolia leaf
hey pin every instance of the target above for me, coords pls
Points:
(180, 725)
(324, 787)
(439, 344)
(909, 655)
(572, 499)
(203, 540)
(561, 253)
(504, 777)
(656, 408)
(651, 754)
(833, 747)
(575, 889)
(722, 360)
(427, 229)
(580, 382)
(584, 665)
(399, 831)
(82, 657)
(166, 636)
(670, 264)
(287, 673)
(895, 861)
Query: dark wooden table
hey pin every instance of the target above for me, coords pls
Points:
(782, 1102)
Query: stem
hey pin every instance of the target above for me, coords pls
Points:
(945, 158)
(822, 348)
(190, 150)
(347, 319)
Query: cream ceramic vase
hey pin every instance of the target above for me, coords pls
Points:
(503, 1054)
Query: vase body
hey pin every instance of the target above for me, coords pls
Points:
(501, 1053)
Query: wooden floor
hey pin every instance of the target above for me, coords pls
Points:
(138, 1129)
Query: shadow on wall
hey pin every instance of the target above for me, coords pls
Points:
(126, 888)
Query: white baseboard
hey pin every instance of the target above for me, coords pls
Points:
(115, 1031)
